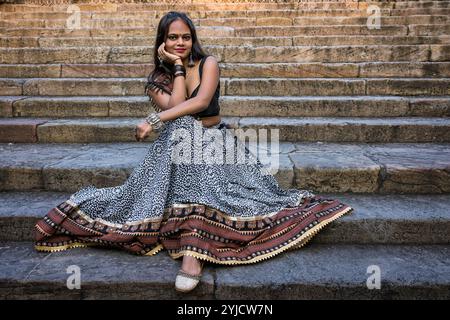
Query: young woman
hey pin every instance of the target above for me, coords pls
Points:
(221, 212)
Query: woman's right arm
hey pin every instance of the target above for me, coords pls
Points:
(165, 101)
(179, 89)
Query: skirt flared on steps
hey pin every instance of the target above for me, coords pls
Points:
(192, 194)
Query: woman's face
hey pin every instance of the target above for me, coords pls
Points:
(179, 36)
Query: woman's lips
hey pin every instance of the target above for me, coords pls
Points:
(180, 50)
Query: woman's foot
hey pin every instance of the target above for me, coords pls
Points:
(191, 265)
(189, 275)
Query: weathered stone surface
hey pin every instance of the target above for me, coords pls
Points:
(12, 42)
(325, 167)
(339, 40)
(19, 130)
(405, 69)
(89, 130)
(239, 106)
(420, 11)
(100, 168)
(11, 87)
(430, 107)
(30, 71)
(403, 169)
(338, 129)
(390, 218)
(440, 52)
(340, 272)
(320, 106)
(6, 105)
(376, 219)
(329, 54)
(106, 70)
(44, 275)
(408, 87)
(21, 164)
(318, 30)
(385, 20)
(407, 272)
(400, 129)
(43, 32)
(344, 169)
(57, 107)
(429, 30)
(84, 87)
(289, 70)
(55, 55)
(209, 40)
(294, 87)
(130, 107)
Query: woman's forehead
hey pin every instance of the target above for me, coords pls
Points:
(179, 27)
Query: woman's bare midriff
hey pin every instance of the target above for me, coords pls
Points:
(210, 121)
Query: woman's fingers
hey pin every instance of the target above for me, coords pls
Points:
(142, 132)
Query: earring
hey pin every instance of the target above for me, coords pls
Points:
(191, 61)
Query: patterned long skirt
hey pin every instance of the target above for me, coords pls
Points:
(198, 191)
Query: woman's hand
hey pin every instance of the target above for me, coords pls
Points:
(163, 54)
(143, 131)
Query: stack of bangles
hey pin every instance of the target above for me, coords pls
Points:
(179, 70)
(154, 120)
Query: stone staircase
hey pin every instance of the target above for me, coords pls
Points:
(363, 116)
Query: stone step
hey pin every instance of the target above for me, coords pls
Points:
(50, 42)
(302, 106)
(321, 272)
(259, 31)
(234, 86)
(422, 4)
(221, 31)
(418, 11)
(376, 219)
(129, 19)
(203, 15)
(229, 54)
(245, 70)
(408, 168)
(198, 10)
(328, 129)
(214, 6)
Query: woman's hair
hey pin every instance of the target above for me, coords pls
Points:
(161, 36)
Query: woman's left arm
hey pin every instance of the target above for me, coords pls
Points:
(208, 86)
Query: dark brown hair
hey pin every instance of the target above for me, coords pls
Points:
(161, 36)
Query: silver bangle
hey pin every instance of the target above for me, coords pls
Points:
(154, 120)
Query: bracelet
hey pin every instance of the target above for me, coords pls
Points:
(177, 68)
(179, 73)
(154, 120)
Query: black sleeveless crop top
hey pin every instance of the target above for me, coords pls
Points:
(213, 107)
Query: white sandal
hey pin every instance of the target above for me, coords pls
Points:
(186, 282)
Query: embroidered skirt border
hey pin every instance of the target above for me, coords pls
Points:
(192, 229)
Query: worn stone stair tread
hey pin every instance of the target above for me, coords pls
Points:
(326, 167)
(50, 42)
(321, 272)
(399, 69)
(257, 106)
(257, 54)
(376, 219)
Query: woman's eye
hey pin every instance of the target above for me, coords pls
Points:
(174, 38)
